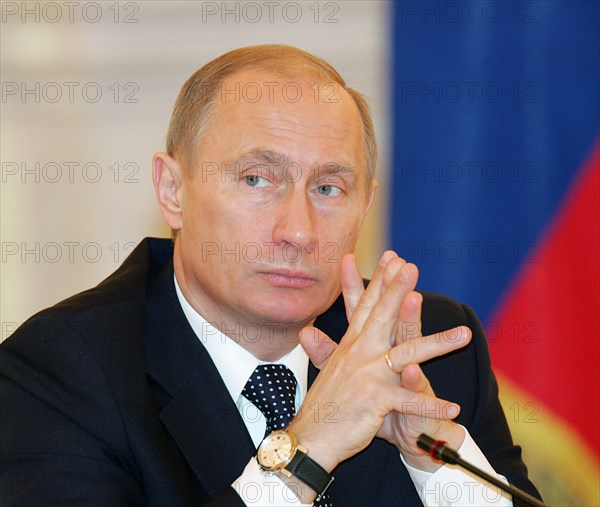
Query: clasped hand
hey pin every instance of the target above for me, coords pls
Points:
(372, 398)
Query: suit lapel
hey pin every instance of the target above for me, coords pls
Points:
(197, 410)
(334, 324)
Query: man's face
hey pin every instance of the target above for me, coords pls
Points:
(278, 195)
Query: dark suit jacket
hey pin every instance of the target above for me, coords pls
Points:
(109, 399)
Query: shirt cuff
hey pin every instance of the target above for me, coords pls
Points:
(451, 485)
(258, 489)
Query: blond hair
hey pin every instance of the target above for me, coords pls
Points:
(193, 111)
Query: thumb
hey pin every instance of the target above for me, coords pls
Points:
(317, 345)
(415, 380)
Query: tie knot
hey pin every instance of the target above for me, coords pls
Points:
(272, 389)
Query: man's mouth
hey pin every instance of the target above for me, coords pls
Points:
(289, 278)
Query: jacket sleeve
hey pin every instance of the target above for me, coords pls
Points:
(63, 440)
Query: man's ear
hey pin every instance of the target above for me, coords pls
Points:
(167, 179)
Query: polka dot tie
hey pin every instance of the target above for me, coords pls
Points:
(272, 389)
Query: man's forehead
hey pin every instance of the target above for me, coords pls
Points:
(263, 85)
(289, 102)
(264, 110)
(272, 139)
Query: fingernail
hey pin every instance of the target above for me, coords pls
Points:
(453, 411)
(386, 258)
(405, 273)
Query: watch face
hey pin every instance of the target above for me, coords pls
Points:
(276, 451)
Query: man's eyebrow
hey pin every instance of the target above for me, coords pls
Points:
(268, 156)
(344, 170)
(278, 159)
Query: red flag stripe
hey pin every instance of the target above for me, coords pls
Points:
(547, 337)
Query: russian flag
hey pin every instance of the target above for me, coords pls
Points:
(495, 196)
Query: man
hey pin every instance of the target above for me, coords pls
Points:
(143, 390)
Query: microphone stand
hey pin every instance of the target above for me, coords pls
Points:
(440, 451)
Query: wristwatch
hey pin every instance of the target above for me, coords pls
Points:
(280, 452)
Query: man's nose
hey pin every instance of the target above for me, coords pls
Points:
(295, 223)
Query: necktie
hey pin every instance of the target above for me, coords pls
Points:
(272, 389)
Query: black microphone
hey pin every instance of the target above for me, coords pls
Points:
(440, 451)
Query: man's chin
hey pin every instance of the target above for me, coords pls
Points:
(286, 318)
(288, 307)
(285, 313)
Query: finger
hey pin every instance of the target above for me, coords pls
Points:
(424, 405)
(382, 320)
(409, 324)
(317, 345)
(369, 298)
(352, 284)
(411, 275)
(427, 347)
(415, 380)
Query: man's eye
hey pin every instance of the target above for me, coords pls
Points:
(328, 190)
(254, 180)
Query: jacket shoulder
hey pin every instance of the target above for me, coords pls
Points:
(441, 312)
(95, 326)
(124, 287)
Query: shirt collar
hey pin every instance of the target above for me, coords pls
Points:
(235, 363)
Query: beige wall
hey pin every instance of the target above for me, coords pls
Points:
(76, 185)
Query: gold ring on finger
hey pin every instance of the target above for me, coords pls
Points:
(388, 361)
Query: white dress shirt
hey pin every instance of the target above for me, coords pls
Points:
(449, 486)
